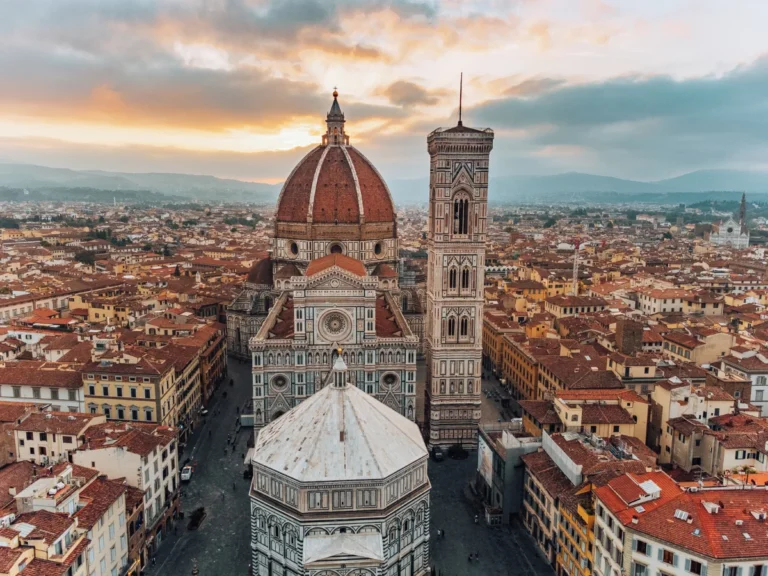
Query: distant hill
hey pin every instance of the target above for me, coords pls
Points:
(575, 186)
(567, 187)
(193, 187)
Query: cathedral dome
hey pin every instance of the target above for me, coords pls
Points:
(335, 184)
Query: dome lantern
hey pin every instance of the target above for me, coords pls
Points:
(335, 121)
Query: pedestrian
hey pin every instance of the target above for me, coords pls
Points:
(442, 533)
(153, 560)
(438, 533)
(222, 495)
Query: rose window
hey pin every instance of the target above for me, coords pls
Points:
(335, 323)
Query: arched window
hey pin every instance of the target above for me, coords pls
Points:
(470, 387)
(267, 303)
(461, 216)
(325, 357)
(464, 328)
(452, 278)
(336, 249)
(276, 531)
(405, 303)
(465, 279)
(451, 326)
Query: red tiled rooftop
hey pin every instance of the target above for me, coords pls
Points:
(340, 260)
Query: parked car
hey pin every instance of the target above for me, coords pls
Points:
(437, 454)
(204, 412)
(186, 474)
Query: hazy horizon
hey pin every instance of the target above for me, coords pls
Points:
(240, 89)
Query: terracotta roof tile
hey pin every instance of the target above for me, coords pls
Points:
(340, 260)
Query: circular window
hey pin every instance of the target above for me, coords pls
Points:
(335, 323)
(279, 382)
(335, 326)
(294, 248)
(390, 379)
(377, 249)
(336, 249)
(730, 229)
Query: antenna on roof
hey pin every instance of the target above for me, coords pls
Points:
(461, 94)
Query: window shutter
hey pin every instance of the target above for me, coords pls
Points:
(661, 554)
(739, 571)
(704, 570)
(674, 560)
(648, 549)
(687, 564)
(634, 544)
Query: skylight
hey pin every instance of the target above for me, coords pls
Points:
(639, 509)
(681, 514)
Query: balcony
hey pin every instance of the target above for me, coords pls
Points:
(587, 513)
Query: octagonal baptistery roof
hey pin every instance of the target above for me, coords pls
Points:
(335, 192)
(339, 434)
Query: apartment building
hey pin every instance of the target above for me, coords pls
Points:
(563, 306)
(130, 385)
(753, 365)
(647, 525)
(50, 437)
(57, 385)
(147, 457)
(102, 515)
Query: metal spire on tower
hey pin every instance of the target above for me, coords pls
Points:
(461, 94)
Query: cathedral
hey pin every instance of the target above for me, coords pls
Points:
(330, 288)
(732, 233)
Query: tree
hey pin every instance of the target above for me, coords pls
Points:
(667, 236)
(124, 219)
(147, 247)
(550, 222)
(609, 225)
(85, 257)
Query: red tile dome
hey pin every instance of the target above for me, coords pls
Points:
(335, 184)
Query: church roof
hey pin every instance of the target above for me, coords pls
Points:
(287, 271)
(384, 271)
(339, 434)
(340, 260)
(261, 272)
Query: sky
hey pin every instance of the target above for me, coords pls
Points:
(240, 88)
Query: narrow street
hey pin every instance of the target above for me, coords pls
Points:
(222, 543)
(503, 550)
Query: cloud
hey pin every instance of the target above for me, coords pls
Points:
(643, 125)
(406, 93)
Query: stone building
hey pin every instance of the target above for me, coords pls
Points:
(340, 488)
(732, 233)
(458, 203)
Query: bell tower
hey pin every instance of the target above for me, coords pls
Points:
(458, 205)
